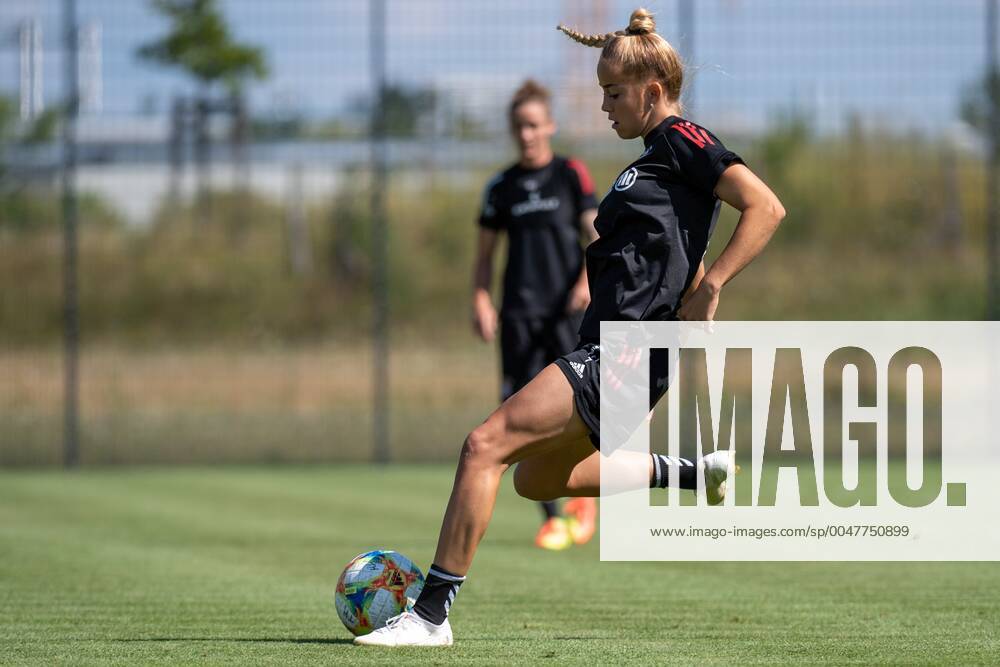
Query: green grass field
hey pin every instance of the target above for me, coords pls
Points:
(238, 565)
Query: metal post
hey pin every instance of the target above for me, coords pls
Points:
(296, 225)
(686, 26)
(71, 317)
(379, 186)
(175, 149)
(203, 155)
(992, 167)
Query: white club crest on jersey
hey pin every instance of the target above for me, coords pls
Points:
(627, 179)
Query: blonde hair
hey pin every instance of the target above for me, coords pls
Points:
(530, 91)
(639, 51)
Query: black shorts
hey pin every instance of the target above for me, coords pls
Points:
(527, 345)
(582, 367)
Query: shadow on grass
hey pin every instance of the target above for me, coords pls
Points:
(250, 640)
(297, 640)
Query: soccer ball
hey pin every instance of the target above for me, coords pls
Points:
(374, 587)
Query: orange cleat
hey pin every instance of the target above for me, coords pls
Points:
(554, 535)
(582, 513)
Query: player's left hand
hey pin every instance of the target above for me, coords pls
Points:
(700, 305)
(579, 298)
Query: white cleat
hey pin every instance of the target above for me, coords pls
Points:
(716, 467)
(408, 629)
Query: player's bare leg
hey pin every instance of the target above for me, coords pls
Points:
(537, 419)
(538, 426)
(575, 471)
(570, 471)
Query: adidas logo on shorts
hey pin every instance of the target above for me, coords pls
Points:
(578, 367)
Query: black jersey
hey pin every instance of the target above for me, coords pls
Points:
(654, 225)
(540, 211)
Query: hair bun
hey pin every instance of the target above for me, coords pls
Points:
(641, 23)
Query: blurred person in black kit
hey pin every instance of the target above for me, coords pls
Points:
(545, 204)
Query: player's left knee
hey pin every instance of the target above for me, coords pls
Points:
(482, 446)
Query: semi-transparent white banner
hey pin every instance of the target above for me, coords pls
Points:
(849, 440)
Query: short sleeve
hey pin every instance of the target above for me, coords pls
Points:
(583, 186)
(491, 215)
(701, 157)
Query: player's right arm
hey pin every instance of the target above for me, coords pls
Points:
(492, 220)
(760, 213)
(484, 314)
(586, 203)
(579, 297)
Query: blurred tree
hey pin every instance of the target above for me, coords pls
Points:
(26, 199)
(468, 126)
(979, 100)
(275, 127)
(199, 42)
(785, 140)
(41, 129)
(8, 117)
(351, 225)
(406, 109)
(779, 152)
(980, 108)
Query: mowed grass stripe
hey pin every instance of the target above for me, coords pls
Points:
(237, 565)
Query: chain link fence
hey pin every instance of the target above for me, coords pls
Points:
(264, 191)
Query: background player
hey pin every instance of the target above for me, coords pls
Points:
(654, 226)
(544, 203)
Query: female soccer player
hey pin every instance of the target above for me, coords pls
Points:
(544, 203)
(654, 226)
